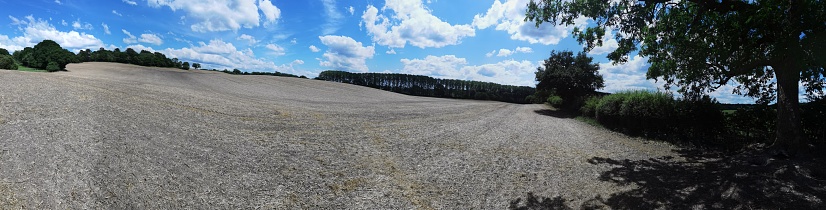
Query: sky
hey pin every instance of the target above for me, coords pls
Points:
(457, 39)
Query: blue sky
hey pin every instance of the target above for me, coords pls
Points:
(456, 39)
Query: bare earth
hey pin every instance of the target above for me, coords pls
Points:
(114, 136)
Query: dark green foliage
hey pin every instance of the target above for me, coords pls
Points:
(768, 47)
(185, 66)
(589, 107)
(52, 66)
(659, 115)
(4, 52)
(814, 121)
(278, 74)
(196, 65)
(752, 124)
(555, 101)
(7, 62)
(44, 54)
(130, 56)
(427, 86)
(569, 77)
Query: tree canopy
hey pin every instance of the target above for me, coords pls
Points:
(767, 46)
(569, 77)
(419, 85)
(46, 55)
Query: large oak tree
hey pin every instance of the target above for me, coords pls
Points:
(768, 46)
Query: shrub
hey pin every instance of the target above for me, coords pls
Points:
(52, 66)
(589, 108)
(607, 111)
(7, 62)
(700, 119)
(555, 101)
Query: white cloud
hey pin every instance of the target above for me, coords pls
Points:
(334, 17)
(218, 54)
(344, 53)
(508, 52)
(410, 21)
(504, 53)
(58, 2)
(510, 16)
(391, 52)
(294, 41)
(626, 76)
(271, 12)
(247, 38)
(63, 22)
(151, 39)
(490, 54)
(524, 50)
(81, 26)
(105, 28)
(223, 15)
(314, 48)
(508, 72)
(116, 13)
(278, 50)
(130, 2)
(36, 30)
(130, 39)
(351, 10)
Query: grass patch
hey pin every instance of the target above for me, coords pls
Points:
(24, 68)
(589, 121)
(729, 111)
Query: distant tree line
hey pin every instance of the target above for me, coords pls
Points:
(432, 87)
(130, 56)
(276, 73)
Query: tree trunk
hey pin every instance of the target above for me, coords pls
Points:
(789, 128)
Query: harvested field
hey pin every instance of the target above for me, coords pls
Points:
(115, 136)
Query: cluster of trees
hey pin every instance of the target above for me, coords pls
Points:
(46, 55)
(130, 56)
(769, 47)
(276, 73)
(6, 60)
(432, 87)
(566, 80)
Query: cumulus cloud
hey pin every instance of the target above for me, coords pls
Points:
(130, 2)
(334, 17)
(81, 26)
(130, 39)
(626, 76)
(391, 52)
(351, 10)
(504, 53)
(344, 53)
(223, 15)
(509, 72)
(271, 12)
(314, 48)
(508, 52)
(248, 38)
(524, 50)
(409, 21)
(277, 50)
(36, 30)
(151, 39)
(218, 54)
(510, 16)
(105, 28)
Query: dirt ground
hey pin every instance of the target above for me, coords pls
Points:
(115, 136)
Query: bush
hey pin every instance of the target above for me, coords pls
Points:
(555, 101)
(7, 62)
(607, 111)
(53, 66)
(589, 108)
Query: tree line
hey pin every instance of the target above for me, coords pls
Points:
(130, 56)
(419, 85)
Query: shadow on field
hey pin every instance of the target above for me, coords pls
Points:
(556, 113)
(705, 181)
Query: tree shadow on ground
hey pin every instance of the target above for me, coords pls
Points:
(557, 113)
(749, 180)
(533, 202)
